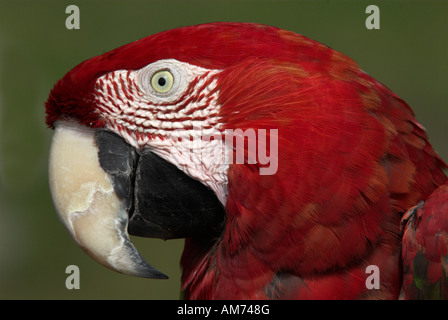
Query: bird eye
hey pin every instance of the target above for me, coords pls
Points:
(162, 81)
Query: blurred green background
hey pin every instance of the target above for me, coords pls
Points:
(409, 54)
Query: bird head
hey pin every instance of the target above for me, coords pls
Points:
(162, 138)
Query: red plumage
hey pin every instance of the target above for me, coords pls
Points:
(425, 248)
(351, 159)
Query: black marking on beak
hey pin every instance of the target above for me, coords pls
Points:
(169, 204)
(161, 200)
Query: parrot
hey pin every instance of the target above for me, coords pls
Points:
(289, 171)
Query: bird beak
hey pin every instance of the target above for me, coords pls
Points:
(88, 205)
(102, 188)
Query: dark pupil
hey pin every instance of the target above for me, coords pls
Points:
(161, 82)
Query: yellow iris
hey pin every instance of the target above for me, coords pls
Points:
(162, 81)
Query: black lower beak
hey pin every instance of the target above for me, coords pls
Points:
(161, 200)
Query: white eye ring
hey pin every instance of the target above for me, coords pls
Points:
(174, 83)
(183, 75)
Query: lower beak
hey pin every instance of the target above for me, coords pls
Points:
(102, 188)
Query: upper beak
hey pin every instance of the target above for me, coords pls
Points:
(102, 188)
(88, 205)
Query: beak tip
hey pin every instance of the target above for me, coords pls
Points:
(149, 272)
(157, 275)
(152, 273)
(127, 260)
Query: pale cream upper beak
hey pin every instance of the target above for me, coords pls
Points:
(87, 205)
